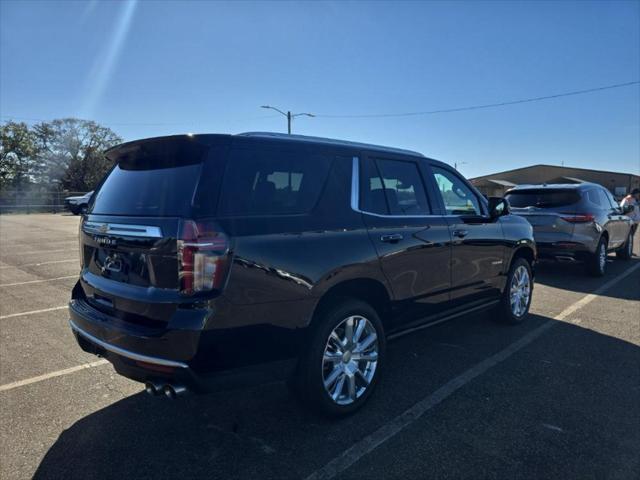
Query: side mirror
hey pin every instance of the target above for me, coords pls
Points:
(498, 207)
(627, 209)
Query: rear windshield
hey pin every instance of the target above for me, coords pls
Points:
(542, 198)
(156, 178)
(152, 192)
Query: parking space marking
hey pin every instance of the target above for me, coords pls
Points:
(46, 376)
(33, 312)
(369, 443)
(37, 281)
(17, 254)
(69, 260)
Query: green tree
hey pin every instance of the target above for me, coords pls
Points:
(70, 151)
(18, 163)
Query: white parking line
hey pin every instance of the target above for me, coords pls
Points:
(17, 254)
(47, 376)
(69, 260)
(32, 312)
(37, 281)
(369, 443)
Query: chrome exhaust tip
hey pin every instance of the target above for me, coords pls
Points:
(174, 391)
(152, 388)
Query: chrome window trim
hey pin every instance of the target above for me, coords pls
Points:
(355, 196)
(126, 353)
(126, 230)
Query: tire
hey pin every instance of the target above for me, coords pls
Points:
(597, 261)
(327, 361)
(74, 210)
(518, 291)
(626, 251)
(83, 209)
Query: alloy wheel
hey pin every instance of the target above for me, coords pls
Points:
(520, 291)
(350, 359)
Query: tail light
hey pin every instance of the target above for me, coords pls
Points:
(203, 257)
(577, 217)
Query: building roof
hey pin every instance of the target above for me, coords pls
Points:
(559, 167)
(502, 183)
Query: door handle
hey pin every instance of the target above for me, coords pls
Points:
(460, 233)
(391, 238)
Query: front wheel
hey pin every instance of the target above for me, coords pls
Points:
(341, 366)
(516, 298)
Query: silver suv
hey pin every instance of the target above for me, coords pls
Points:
(575, 222)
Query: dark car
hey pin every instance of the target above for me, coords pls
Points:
(78, 204)
(213, 261)
(575, 222)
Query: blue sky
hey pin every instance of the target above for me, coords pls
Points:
(154, 68)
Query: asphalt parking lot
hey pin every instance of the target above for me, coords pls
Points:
(556, 397)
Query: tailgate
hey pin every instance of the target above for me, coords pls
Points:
(142, 254)
(547, 222)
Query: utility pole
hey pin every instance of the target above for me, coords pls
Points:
(290, 116)
(455, 164)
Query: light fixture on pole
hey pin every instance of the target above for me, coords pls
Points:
(290, 116)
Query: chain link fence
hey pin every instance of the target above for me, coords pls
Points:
(34, 200)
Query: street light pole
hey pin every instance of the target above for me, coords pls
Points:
(290, 116)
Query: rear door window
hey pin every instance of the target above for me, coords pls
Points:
(543, 198)
(392, 187)
(265, 182)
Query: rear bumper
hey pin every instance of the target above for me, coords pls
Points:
(166, 358)
(562, 250)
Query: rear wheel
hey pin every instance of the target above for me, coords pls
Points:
(597, 261)
(340, 368)
(516, 298)
(626, 251)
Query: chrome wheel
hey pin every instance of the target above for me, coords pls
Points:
(602, 257)
(350, 359)
(520, 291)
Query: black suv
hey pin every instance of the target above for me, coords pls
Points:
(212, 261)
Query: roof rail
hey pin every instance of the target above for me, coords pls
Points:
(328, 141)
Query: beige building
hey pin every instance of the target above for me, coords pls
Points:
(497, 184)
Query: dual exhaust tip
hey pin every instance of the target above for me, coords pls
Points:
(170, 391)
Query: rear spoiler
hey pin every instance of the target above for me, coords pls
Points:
(159, 152)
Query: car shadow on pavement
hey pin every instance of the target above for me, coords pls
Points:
(573, 277)
(570, 376)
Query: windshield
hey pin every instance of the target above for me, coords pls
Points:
(542, 198)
